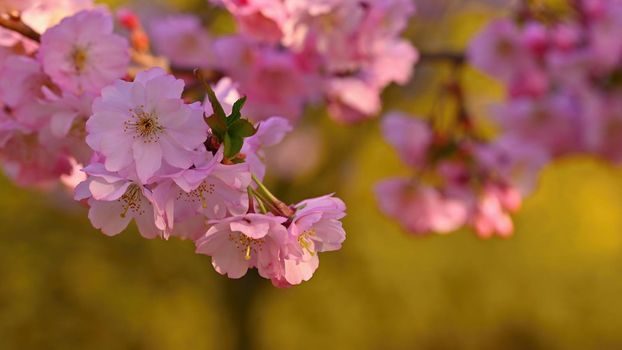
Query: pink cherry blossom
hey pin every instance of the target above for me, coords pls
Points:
(209, 189)
(114, 201)
(530, 82)
(245, 241)
(273, 80)
(315, 228)
(183, 40)
(82, 54)
(387, 18)
(393, 61)
(144, 124)
(605, 46)
(498, 50)
(31, 163)
(535, 37)
(9, 127)
(514, 160)
(331, 28)
(21, 89)
(352, 100)
(261, 19)
(67, 112)
(420, 209)
(295, 270)
(552, 122)
(410, 136)
(269, 133)
(66, 124)
(316, 224)
(492, 211)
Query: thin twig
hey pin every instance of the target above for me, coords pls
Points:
(443, 56)
(15, 24)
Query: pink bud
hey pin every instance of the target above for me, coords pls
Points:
(533, 83)
(128, 19)
(535, 38)
(565, 37)
(510, 199)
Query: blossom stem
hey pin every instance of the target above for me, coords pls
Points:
(263, 189)
(253, 194)
(251, 204)
(280, 208)
(15, 24)
(269, 205)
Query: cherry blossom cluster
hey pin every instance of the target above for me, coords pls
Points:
(562, 74)
(561, 69)
(48, 87)
(458, 181)
(86, 104)
(288, 53)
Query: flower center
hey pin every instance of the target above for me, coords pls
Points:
(199, 194)
(79, 58)
(144, 125)
(78, 128)
(305, 241)
(131, 200)
(246, 244)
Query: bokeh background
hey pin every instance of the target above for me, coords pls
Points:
(555, 285)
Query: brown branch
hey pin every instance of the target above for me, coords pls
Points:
(15, 24)
(443, 56)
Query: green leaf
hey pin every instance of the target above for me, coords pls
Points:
(233, 145)
(236, 111)
(242, 128)
(218, 121)
(213, 100)
(219, 128)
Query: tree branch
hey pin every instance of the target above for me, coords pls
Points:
(443, 56)
(15, 24)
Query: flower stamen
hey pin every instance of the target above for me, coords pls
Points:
(304, 240)
(144, 125)
(246, 244)
(79, 57)
(131, 200)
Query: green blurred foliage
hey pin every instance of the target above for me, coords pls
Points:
(554, 285)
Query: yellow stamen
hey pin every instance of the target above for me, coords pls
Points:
(145, 125)
(246, 244)
(79, 57)
(247, 256)
(304, 240)
(131, 200)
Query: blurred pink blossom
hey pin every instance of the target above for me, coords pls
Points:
(81, 54)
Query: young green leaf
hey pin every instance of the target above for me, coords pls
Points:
(236, 109)
(219, 129)
(233, 145)
(213, 100)
(242, 128)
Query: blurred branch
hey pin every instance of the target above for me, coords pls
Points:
(14, 23)
(443, 56)
(210, 75)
